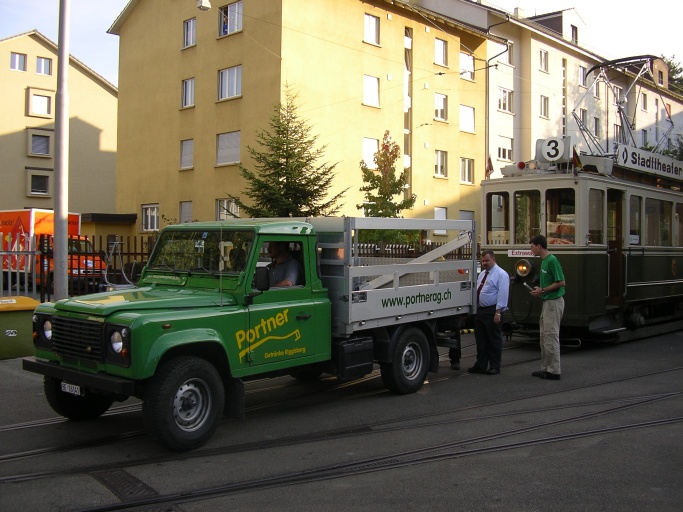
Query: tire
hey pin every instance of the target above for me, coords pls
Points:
(408, 369)
(183, 403)
(77, 408)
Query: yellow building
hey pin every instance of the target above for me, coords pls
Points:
(28, 85)
(196, 86)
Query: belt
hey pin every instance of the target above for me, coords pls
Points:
(486, 308)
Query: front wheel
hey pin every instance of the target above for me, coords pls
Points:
(183, 403)
(77, 408)
(408, 369)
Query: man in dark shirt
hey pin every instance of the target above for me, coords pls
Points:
(284, 270)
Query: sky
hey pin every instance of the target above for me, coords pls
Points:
(612, 32)
(616, 30)
(90, 20)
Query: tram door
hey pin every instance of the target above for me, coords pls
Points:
(615, 245)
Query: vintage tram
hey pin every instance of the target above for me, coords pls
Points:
(615, 222)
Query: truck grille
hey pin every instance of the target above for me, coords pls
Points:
(80, 339)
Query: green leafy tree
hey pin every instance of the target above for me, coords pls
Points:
(287, 180)
(383, 192)
(382, 186)
(675, 74)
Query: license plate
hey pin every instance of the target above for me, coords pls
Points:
(72, 389)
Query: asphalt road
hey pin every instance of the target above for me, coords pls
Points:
(607, 437)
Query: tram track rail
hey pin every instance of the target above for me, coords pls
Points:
(456, 449)
(405, 422)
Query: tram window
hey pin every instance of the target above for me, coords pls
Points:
(634, 220)
(657, 222)
(678, 225)
(596, 220)
(560, 211)
(497, 220)
(527, 215)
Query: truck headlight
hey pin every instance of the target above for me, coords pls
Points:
(118, 340)
(47, 329)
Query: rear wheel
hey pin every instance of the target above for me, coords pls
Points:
(78, 408)
(183, 403)
(407, 371)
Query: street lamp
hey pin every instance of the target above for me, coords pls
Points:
(203, 5)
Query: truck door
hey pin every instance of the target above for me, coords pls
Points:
(281, 321)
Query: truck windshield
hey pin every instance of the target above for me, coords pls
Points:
(202, 250)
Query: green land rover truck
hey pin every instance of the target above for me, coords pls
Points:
(204, 319)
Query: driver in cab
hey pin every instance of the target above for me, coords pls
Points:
(284, 269)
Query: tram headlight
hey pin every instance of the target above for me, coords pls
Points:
(523, 268)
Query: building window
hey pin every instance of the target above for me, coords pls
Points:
(506, 54)
(189, 32)
(504, 100)
(441, 163)
(596, 126)
(230, 19)
(505, 148)
(467, 66)
(575, 34)
(40, 142)
(583, 116)
(370, 147)
(543, 60)
(150, 217)
(467, 171)
(370, 91)
(185, 212)
(187, 154)
(440, 213)
(466, 119)
(643, 97)
(371, 29)
(617, 133)
(440, 107)
(660, 77)
(226, 209)
(228, 148)
(38, 182)
(188, 93)
(545, 107)
(440, 52)
(596, 90)
(230, 82)
(643, 137)
(43, 66)
(617, 91)
(17, 61)
(40, 103)
(582, 76)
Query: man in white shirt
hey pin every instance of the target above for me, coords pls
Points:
(493, 287)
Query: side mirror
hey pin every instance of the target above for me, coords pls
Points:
(262, 279)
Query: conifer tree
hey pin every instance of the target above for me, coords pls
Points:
(287, 180)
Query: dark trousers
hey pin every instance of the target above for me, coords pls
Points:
(489, 339)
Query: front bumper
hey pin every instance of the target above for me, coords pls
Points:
(96, 381)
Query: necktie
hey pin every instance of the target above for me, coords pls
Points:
(481, 285)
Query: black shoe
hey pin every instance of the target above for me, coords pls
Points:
(455, 365)
(546, 375)
(475, 369)
(493, 371)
